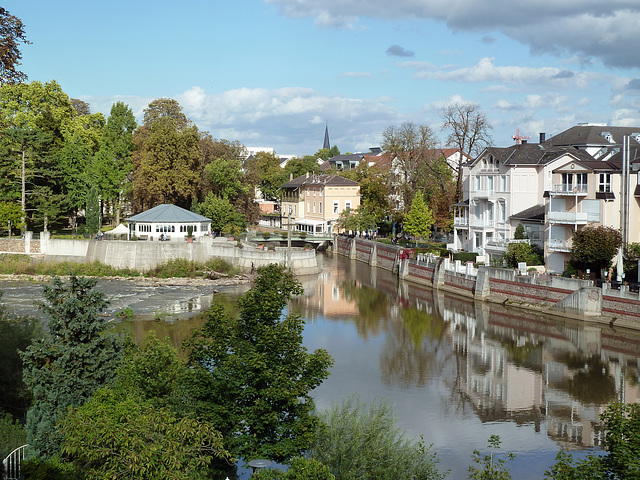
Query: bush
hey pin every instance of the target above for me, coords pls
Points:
(50, 469)
(299, 469)
(12, 435)
(360, 441)
(465, 256)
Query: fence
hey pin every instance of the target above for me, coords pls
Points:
(12, 463)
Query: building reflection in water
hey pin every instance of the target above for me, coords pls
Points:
(505, 364)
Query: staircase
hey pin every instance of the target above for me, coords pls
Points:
(11, 464)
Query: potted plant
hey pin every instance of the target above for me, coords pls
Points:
(190, 234)
(266, 235)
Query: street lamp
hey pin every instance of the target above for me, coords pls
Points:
(258, 464)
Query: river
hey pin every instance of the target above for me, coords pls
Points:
(456, 371)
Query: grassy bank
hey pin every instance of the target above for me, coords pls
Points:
(181, 268)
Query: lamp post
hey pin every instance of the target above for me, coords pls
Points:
(258, 464)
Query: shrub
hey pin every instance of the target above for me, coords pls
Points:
(299, 469)
(50, 469)
(360, 441)
(465, 256)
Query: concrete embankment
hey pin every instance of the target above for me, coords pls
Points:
(145, 255)
(552, 294)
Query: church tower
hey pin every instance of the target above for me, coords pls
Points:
(326, 144)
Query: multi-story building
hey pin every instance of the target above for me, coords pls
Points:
(502, 185)
(554, 188)
(314, 202)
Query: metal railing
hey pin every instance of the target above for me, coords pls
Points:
(12, 463)
(569, 188)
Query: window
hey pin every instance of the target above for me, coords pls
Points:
(320, 211)
(581, 182)
(314, 204)
(308, 206)
(347, 206)
(476, 182)
(490, 183)
(502, 186)
(502, 212)
(567, 182)
(336, 207)
(604, 182)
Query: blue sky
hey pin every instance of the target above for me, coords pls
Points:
(272, 72)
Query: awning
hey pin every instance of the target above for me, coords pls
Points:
(308, 221)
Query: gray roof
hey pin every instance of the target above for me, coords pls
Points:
(168, 213)
(326, 180)
(590, 135)
(531, 214)
(533, 154)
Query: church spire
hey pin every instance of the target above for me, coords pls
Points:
(326, 144)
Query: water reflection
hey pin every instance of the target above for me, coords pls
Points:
(477, 367)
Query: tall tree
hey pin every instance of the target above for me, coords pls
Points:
(166, 157)
(252, 377)
(33, 116)
(112, 165)
(414, 148)
(12, 34)
(66, 368)
(264, 171)
(469, 132)
(221, 212)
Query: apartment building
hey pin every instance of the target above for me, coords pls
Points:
(314, 202)
(554, 188)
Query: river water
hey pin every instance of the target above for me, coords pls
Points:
(456, 371)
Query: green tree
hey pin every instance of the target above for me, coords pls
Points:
(299, 166)
(66, 368)
(490, 466)
(32, 118)
(221, 212)
(252, 376)
(111, 165)
(595, 247)
(520, 233)
(12, 435)
(266, 173)
(115, 435)
(523, 252)
(225, 178)
(359, 220)
(12, 34)
(93, 211)
(166, 158)
(419, 219)
(362, 442)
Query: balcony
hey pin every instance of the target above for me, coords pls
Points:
(572, 218)
(557, 245)
(482, 223)
(484, 193)
(461, 222)
(569, 189)
(502, 244)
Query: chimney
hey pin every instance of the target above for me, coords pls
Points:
(543, 137)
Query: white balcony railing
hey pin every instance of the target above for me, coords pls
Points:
(568, 217)
(569, 189)
(485, 193)
(482, 223)
(461, 222)
(557, 245)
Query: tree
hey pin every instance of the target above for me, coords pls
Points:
(252, 376)
(12, 34)
(469, 132)
(523, 252)
(140, 425)
(265, 172)
(595, 247)
(111, 165)
(300, 468)
(520, 233)
(221, 212)
(413, 147)
(166, 158)
(33, 116)
(621, 424)
(93, 211)
(362, 441)
(65, 369)
(299, 166)
(419, 219)
(358, 220)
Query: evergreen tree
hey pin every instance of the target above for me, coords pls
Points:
(419, 219)
(93, 211)
(252, 376)
(65, 369)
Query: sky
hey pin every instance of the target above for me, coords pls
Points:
(273, 73)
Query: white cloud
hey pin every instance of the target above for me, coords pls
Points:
(586, 28)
